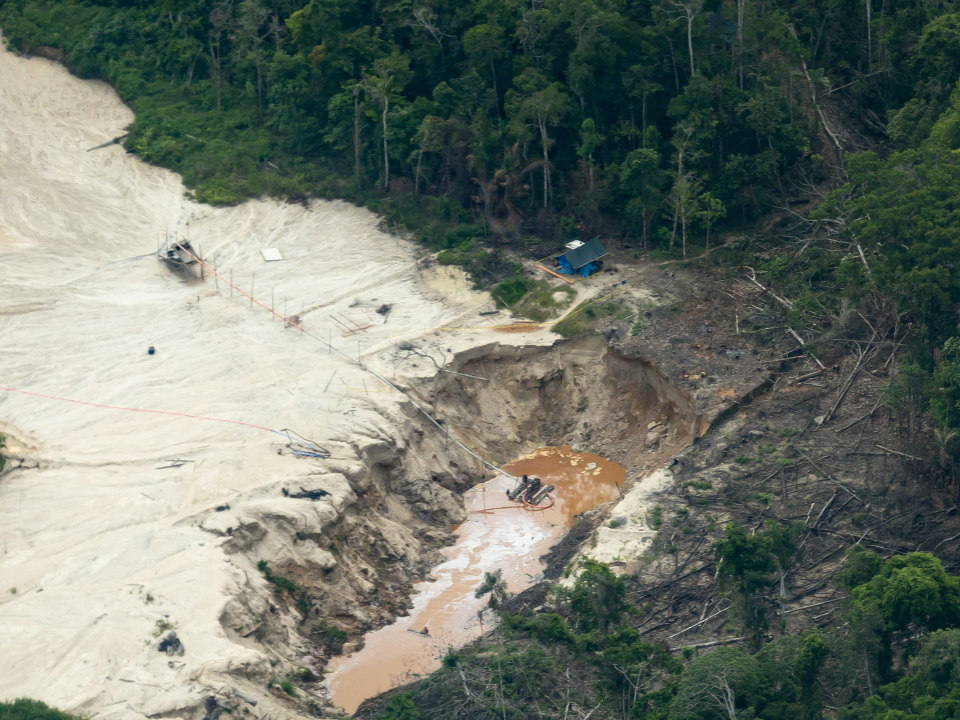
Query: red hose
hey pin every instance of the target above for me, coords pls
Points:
(535, 508)
(526, 506)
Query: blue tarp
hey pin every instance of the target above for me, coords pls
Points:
(564, 267)
(588, 252)
(582, 259)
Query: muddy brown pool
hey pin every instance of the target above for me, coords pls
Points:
(496, 534)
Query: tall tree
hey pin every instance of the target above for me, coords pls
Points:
(598, 598)
(389, 77)
(250, 35)
(541, 103)
(738, 46)
(485, 45)
(221, 18)
(643, 180)
(426, 18)
(429, 138)
(588, 23)
(783, 545)
(746, 562)
(710, 210)
(686, 10)
(685, 197)
(638, 83)
(686, 187)
(590, 139)
(357, 88)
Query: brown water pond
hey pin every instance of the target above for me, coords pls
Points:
(496, 534)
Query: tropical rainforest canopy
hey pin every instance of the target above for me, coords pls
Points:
(652, 120)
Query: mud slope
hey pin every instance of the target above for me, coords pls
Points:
(539, 396)
(116, 525)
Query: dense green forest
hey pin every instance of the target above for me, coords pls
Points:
(894, 656)
(642, 119)
(647, 120)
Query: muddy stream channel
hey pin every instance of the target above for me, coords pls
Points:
(496, 534)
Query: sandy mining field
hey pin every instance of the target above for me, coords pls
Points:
(100, 527)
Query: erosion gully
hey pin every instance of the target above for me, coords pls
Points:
(496, 534)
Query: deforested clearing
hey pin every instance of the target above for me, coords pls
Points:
(104, 543)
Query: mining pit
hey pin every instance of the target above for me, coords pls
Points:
(529, 397)
(161, 491)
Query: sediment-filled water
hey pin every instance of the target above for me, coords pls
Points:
(497, 534)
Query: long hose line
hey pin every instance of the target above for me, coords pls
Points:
(143, 410)
(529, 507)
(359, 363)
(308, 448)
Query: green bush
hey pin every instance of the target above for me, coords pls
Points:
(511, 291)
(24, 709)
(279, 582)
(656, 517)
(584, 318)
(532, 298)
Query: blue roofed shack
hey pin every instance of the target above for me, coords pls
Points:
(583, 259)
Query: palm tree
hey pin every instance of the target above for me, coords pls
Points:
(494, 585)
